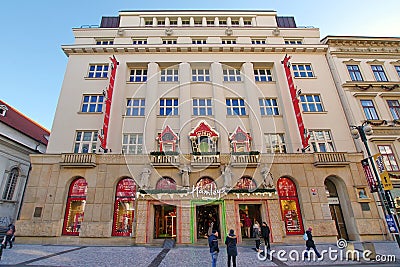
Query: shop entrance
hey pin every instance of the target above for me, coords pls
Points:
(253, 212)
(164, 221)
(207, 219)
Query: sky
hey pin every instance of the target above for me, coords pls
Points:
(33, 32)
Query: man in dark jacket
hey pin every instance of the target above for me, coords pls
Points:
(231, 248)
(310, 244)
(9, 235)
(265, 232)
(213, 244)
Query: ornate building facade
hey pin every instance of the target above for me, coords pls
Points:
(171, 124)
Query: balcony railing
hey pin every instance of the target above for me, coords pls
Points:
(330, 159)
(210, 160)
(78, 160)
(245, 160)
(164, 160)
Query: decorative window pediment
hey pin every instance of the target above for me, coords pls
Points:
(167, 139)
(240, 140)
(204, 138)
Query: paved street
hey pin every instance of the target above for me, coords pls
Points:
(50, 255)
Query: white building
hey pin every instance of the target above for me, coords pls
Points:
(19, 137)
(199, 129)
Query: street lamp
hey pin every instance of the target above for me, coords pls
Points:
(362, 131)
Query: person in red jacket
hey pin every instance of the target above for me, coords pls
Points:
(247, 224)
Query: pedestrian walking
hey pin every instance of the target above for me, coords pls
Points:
(257, 235)
(310, 243)
(247, 224)
(9, 235)
(213, 244)
(265, 232)
(231, 248)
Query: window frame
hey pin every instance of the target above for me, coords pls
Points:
(135, 77)
(199, 41)
(315, 143)
(231, 75)
(164, 108)
(310, 104)
(369, 115)
(92, 143)
(389, 158)
(208, 107)
(260, 77)
(169, 41)
(297, 72)
(88, 104)
(137, 145)
(139, 41)
(95, 73)
(268, 106)
(379, 73)
(354, 72)
(169, 75)
(131, 107)
(394, 109)
(205, 76)
(293, 41)
(11, 184)
(228, 41)
(397, 69)
(230, 108)
(258, 41)
(279, 146)
(104, 41)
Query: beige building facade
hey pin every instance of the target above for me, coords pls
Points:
(171, 124)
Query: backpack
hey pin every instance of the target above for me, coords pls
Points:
(305, 236)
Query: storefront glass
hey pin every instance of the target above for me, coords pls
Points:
(290, 207)
(75, 207)
(124, 209)
(165, 221)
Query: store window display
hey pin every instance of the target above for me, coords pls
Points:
(124, 209)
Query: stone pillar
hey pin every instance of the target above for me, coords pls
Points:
(277, 225)
(219, 103)
(184, 227)
(151, 111)
(252, 96)
(141, 221)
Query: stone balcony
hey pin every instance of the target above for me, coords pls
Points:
(248, 160)
(205, 160)
(78, 160)
(330, 159)
(164, 160)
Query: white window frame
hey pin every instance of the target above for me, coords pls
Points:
(139, 41)
(84, 143)
(308, 104)
(98, 71)
(230, 107)
(169, 75)
(299, 69)
(268, 106)
(201, 75)
(202, 104)
(229, 41)
(169, 41)
(389, 157)
(258, 41)
(132, 143)
(293, 41)
(320, 139)
(232, 75)
(135, 105)
(11, 184)
(104, 42)
(137, 75)
(164, 107)
(263, 75)
(275, 143)
(199, 41)
(96, 101)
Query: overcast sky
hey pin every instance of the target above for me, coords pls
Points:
(33, 63)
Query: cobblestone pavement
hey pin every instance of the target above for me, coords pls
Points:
(283, 255)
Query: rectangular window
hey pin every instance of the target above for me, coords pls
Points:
(397, 68)
(98, 71)
(92, 103)
(148, 22)
(210, 22)
(232, 75)
(394, 107)
(185, 22)
(235, 106)
(379, 73)
(104, 42)
(247, 23)
(173, 22)
(302, 70)
(294, 42)
(85, 142)
(235, 22)
(275, 143)
(169, 75)
(369, 109)
(223, 22)
(132, 143)
(138, 75)
(311, 103)
(202, 107)
(135, 107)
(321, 141)
(200, 75)
(139, 41)
(160, 22)
(229, 41)
(199, 41)
(263, 75)
(168, 107)
(388, 158)
(258, 41)
(354, 72)
(268, 106)
(169, 41)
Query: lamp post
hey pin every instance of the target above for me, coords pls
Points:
(362, 132)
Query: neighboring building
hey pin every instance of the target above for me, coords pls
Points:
(192, 130)
(367, 75)
(19, 137)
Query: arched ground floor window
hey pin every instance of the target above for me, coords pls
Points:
(124, 207)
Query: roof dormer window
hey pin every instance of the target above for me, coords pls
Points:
(3, 110)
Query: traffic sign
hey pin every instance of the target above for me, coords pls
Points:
(384, 175)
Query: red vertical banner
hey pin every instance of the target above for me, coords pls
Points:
(373, 186)
(293, 94)
(109, 93)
